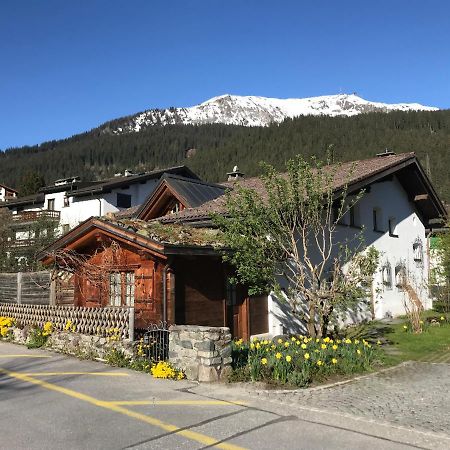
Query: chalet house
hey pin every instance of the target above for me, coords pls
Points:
(71, 201)
(167, 254)
(7, 193)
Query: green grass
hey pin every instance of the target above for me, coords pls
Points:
(433, 344)
(399, 345)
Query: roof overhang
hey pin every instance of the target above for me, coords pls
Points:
(89, 231)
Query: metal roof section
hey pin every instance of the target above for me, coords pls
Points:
(195, 192)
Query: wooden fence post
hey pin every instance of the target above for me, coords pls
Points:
(19, 288)
(52, 289)
(131, 324)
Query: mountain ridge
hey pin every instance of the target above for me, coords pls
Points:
(252, 111)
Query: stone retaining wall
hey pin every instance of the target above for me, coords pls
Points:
(77, 344)
(204, 353)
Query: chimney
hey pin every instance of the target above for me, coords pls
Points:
(235, 174)
(386, 152)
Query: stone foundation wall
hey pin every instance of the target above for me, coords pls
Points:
(76, 344)
(204, 353)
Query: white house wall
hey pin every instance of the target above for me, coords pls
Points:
(392, 201)
(82, 208)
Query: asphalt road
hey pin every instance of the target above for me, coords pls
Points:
(50, 401)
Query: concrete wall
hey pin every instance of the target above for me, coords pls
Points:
(391, 200)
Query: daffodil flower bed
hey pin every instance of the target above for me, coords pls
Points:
(38, 336)
(301, 360)
(165, 370)
(6, 323)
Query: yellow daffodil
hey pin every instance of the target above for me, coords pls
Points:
(264, 361)
(286, 344)
(303, 346)
(334, 361)
(288, 358)
(319, 363)
(280, 341)
(323, 347)
(278, 355)
(306, 356)
(335, 347)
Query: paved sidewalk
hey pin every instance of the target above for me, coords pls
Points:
(412, 396)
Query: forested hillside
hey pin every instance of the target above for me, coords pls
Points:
(217, 148)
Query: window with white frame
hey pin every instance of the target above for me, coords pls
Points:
(400, 276)
(386, 275)
(418, 250)
(121, 288)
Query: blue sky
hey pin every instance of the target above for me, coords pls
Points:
(68, 66)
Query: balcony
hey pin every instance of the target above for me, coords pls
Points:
(33, 216)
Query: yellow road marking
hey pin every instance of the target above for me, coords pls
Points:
(178, 402)
(99, 374)
(25, 356)
(192, 435)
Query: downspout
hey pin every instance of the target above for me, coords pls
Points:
(99, 207)
(165, 293)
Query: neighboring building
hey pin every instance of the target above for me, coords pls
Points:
(399, 208)
(7, 194)
(71, 201)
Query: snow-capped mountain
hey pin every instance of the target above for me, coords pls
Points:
(257, 111)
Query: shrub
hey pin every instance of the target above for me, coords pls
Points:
(37, 336)
(118, 358)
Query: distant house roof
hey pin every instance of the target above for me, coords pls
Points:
(8, 188)
(190, 192)
(354, 174)
(116, 182)
(92, 188)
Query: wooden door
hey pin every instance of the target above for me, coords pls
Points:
(237, 318)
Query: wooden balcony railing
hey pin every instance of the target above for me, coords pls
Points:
(31, 216)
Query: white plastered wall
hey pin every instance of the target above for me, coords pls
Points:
(391, 200)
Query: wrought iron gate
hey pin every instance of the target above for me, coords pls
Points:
(156, 342)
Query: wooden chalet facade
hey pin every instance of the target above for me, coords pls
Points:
(175, 283)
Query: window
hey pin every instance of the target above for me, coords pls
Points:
(393, 227)
(66, 202)
(121, 289)
(123, 200)
(386, 275)
(400, 276)
(65, 228)
(354, 216)
(51, 204)
(418, 250)
(376, 220)
(336, 212)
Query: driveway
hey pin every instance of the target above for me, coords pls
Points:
(50, 401)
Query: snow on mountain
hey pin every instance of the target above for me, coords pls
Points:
(259, 111)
